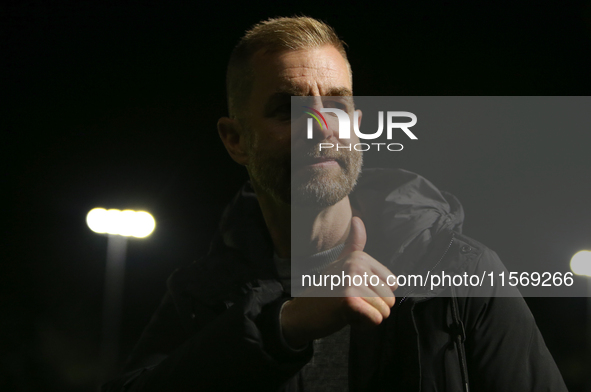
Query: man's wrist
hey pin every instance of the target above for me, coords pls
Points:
(273, 340)
(288, 331)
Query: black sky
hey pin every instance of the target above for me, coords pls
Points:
(116, 106)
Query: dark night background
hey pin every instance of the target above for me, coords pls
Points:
(116, 106)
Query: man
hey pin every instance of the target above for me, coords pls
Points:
(228, 321)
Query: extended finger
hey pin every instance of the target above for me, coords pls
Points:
(356, 238)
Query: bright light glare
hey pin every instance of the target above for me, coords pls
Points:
(580, 264)
(127, 223)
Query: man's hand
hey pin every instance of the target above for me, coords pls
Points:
(307, 318)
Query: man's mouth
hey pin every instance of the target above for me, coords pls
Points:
(316, 162)
(322, 162)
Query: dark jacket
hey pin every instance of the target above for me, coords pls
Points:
(217, 327)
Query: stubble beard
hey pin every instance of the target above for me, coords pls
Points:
(321, 187)
(304, 187)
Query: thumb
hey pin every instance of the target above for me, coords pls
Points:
(357, 237)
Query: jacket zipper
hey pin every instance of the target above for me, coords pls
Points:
(432, 268)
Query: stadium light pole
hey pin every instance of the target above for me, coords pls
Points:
(580, 264)
(119, 226)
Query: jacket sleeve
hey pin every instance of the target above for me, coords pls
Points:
(504, 348)
(239, 349)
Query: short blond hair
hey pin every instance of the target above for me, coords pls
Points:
(273, 35)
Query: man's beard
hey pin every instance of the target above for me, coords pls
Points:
(320, 186)
(305, 187)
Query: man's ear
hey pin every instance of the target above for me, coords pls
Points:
(232, 136)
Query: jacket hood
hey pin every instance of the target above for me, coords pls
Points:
(404, 214)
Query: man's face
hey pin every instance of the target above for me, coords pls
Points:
(317, 178)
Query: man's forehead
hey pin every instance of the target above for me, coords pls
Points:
(303, 72)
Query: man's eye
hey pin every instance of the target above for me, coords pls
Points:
(283, 112)
(285, 108)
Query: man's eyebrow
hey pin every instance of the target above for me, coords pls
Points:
(340, 91)
(299, 92)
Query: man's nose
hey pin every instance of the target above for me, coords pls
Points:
(319, 132)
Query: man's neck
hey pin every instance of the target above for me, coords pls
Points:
(299, 232)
